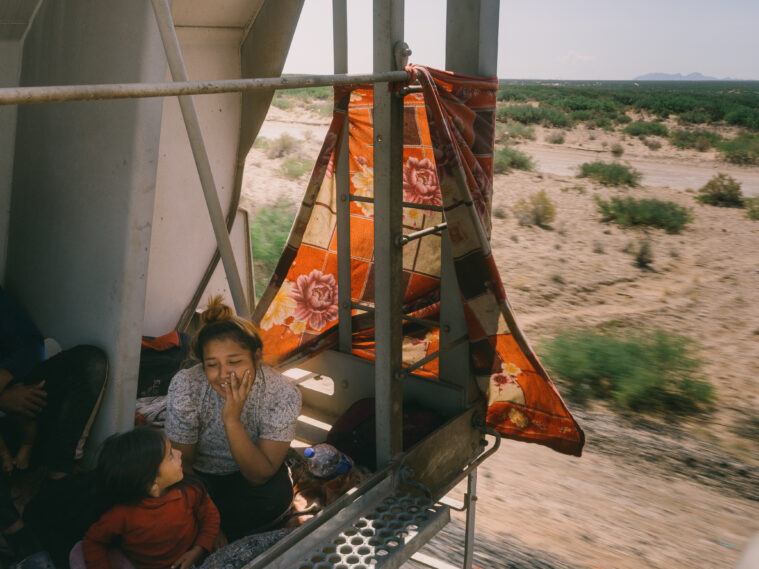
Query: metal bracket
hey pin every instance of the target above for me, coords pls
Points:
(401, 51)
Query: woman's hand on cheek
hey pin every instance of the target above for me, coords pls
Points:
(235, 394)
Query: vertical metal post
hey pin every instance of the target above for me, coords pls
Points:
(471, 44)
(192, 124)
(471, 47)
(388, 266)
(471, 501)
(340, 49)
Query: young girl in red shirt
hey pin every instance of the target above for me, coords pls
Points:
(158, 520)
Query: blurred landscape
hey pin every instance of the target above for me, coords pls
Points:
(626, 231)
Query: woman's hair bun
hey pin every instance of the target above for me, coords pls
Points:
(216, 311)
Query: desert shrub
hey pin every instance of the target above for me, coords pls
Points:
(603, 123)
(581, 115)
(699, 139)
(752, 208)
(742, 150)
(527, 114)
(722, 191)
(500, 212)
(294, 167)
(282, 146)
(617, 150)
(538, 210)
(651, 143)
(694, 117)
(261, 142)
(519, 130)
(555, 138)
(627, 212)
(622, 118)
(610, 173)
(269, 229)
(703, 144)
(644, 255)
(506, 159)
(323, 108)
(741, 157)
(282, 102)
(638, 128)
(643, 371)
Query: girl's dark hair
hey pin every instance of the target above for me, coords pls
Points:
(128, 464)
(220, 323)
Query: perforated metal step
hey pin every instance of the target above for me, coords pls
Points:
(384, 537)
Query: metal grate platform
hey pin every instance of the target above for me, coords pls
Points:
(384, 537)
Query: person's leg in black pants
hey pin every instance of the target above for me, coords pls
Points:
(247, 509)
(62, 510)
(74, 381)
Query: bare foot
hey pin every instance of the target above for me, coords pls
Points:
(7, 461)
(22, 456)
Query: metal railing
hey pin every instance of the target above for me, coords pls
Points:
(60, 93)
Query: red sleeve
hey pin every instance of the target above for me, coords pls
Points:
(98, 538)
(209, 520)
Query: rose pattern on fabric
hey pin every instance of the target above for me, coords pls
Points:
(507, 384)
(315, 296)
(281, 308)
(420, 184)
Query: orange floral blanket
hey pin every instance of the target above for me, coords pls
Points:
(448, 168)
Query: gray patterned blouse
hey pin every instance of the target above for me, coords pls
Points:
(194, 415)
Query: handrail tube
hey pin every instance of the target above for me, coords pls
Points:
(60, 93)
(422, 321)
(435, 229)
(435, 355)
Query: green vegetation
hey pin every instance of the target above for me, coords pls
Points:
(506, 159)
(282, 146)
(627, 212)
(721, 191)
(643, 128)
(261, 142)
(651, 143)
(518, 130)
(743, 149)
(269, 229)
(282, 102)
(610, 173)
(699, 139)
(295, 167)
(602, 104)
(644, 256)
(538, 210)
(527, 114)
(643, 371)
(305, 97)
(752, 208)
(555, 138)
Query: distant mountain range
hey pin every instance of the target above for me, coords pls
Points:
(680, 77)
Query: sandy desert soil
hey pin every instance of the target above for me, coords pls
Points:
(649, 492)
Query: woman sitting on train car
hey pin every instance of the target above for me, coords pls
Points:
(233, 418)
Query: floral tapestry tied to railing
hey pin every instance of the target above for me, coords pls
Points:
(448, 162)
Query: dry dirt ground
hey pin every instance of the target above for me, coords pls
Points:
(649, 492)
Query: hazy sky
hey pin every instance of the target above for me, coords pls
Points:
(561, 39)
